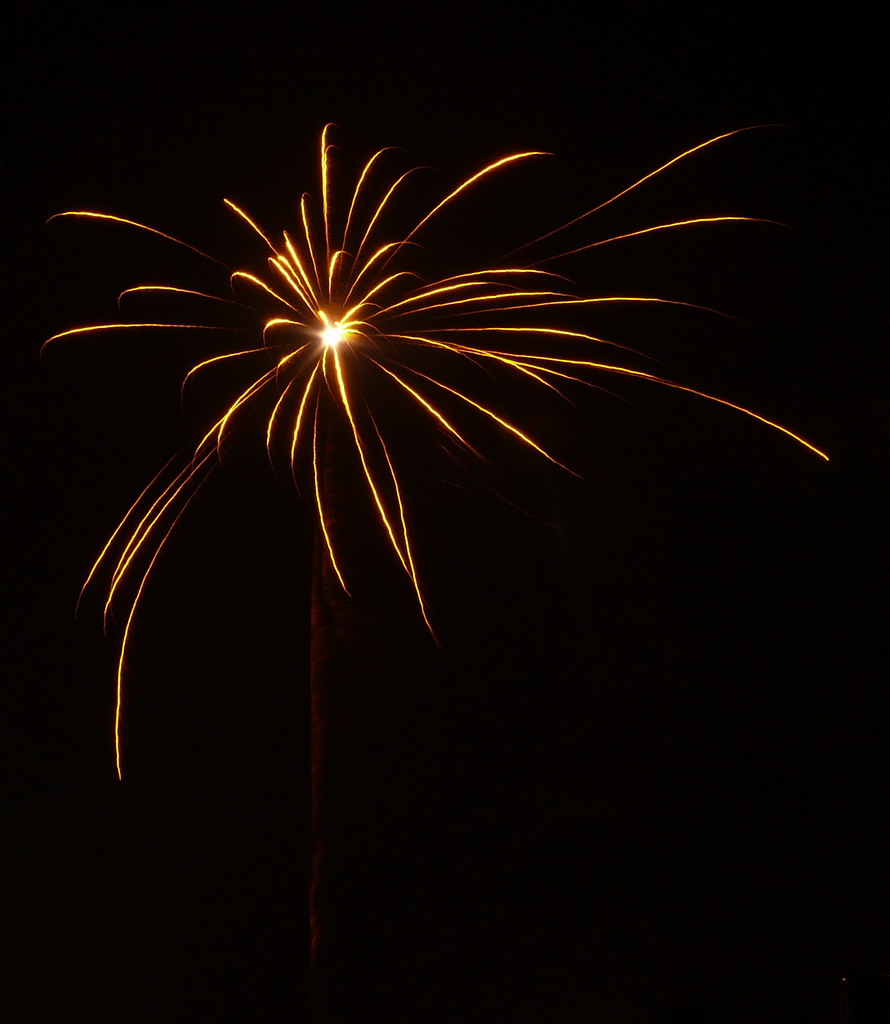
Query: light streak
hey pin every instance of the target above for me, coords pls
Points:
(348, 304)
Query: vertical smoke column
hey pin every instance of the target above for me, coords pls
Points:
(328, 614)
(345, 644)
(375, 677)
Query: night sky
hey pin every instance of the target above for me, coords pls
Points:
(645, 778)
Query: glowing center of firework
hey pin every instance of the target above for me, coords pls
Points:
(333, 331)
(332, 335)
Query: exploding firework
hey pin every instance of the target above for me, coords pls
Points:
(355, 317)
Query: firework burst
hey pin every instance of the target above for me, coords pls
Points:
(352, 317)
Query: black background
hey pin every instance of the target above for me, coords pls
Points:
(645, 780)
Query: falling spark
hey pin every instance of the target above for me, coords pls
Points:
(348, 304)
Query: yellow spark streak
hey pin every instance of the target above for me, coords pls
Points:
(503, 270)
(551, 331)
(374, 219)
(324, 367)
(322, 518)
(572, 301)
(532, 371)
(280, 321)
(252, 223)
(144, 528)
(389, 247)
(557, 332)
(348, 315)
(523, 366)
(307, 231)
(219, 359)
(486, 298)
(119, 687)
(335, 259)
(118, 528)
(146, 525)
(366, 170)
(518, 360)
(275, 411)
(721, 401)
(671, 384)
(242, 275)
(311, 298)
(324, 187)
(299, 419)
(236, 405)
(421, 296)
(285, 270)
(664, 167)
(461, 188)
(215, 358)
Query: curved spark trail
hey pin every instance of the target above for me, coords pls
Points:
(349, 308)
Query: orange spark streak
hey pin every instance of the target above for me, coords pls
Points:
(132, 224)
(125, 327)
(170, 288)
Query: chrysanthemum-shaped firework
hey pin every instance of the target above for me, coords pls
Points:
(349, 306)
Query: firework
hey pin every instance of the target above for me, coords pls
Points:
(352, 316)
